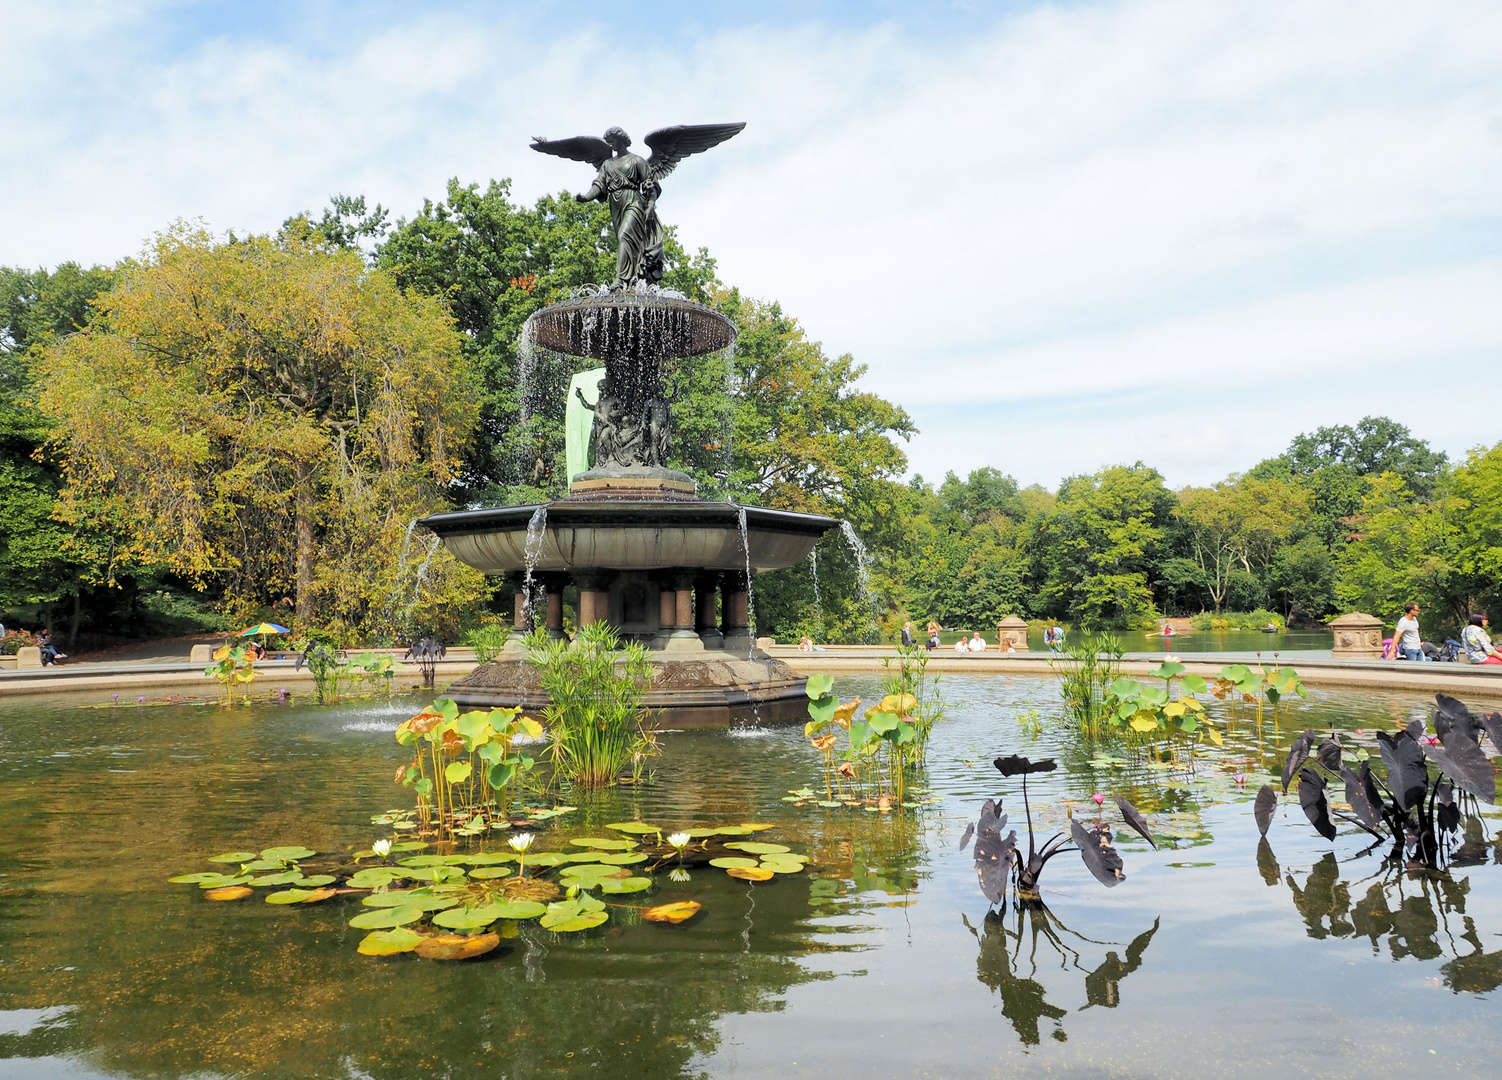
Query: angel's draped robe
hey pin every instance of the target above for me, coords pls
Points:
(633, 215)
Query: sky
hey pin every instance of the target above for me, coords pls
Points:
(1061, 235)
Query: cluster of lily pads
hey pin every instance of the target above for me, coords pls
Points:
(456, 905)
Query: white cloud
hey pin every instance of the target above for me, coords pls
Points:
(1165, 229)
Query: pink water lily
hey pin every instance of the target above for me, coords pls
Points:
(1240, 778)
(1099, 798)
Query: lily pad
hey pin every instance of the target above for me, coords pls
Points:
(702, 834)
(757, 848)
(228, 892)
(235, 857)
(385, 918)
(732, 863)
(456, 946)
(519, 909)
(224, 882)
(588, 921)
(586, 856)
(417, 898)
(623, 858)
(468, 918)
(750, 873)
(286, 877)
(409, 845)
(782, 866)
(673, 914)
(547, 858)
(736, 830)
(436, 860)
(615, 886)
(265, 865)
(288, 854)
(488, 873)
(436, 873)
(389, 942)
(636, 828)
(300, 896)
(603, 843)
(756, 827)
(197, 879)
(373, 877)
(317, 881)
(489, 858)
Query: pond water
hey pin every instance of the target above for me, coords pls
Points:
(1214, 957)
(1247, 643)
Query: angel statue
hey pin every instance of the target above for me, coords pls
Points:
(631, 185)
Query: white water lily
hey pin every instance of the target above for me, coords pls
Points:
(381, 848)
(520, 842)
(679, 874)
(679, 839)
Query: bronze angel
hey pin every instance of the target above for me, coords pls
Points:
(630, 185)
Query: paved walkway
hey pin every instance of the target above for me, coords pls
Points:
(1481, 683)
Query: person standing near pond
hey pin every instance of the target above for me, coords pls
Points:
(1408, 643)
(1478, 643)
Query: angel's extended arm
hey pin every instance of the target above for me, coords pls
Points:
(595, 193)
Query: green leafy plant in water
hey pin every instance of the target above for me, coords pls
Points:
(488, 641)
(373, 668)
(464, 766)
(595, 718)
(233, 666)
(908, 679)
(1088, 666)
(328, 666)
(879, 747)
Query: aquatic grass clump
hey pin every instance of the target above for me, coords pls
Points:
(594, 716)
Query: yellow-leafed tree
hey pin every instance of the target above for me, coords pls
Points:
(269, 414)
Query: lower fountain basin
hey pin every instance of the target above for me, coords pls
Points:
(639, 535)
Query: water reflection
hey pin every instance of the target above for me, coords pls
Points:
(1008, 963)
(1417, 915)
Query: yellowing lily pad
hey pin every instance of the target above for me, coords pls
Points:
(389, 942)
(456, 946)
(756, 827)
(198, 879)
(386, 918)
(750, 873)
(674, 914)
(228, 892)
(732, 863)
(300, 896)
(758, 849)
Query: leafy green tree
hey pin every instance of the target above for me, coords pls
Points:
(1235, 528)
(1100, 543)
(1301, 579)
(266, 415)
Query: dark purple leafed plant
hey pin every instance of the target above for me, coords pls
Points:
(1416, 811)
(997, 858)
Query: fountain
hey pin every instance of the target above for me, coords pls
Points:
(642, 550)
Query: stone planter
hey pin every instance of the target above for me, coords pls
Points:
(1357, 637)
(1014, 630)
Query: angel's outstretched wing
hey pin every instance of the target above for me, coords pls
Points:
(670, 145)
(588, 148)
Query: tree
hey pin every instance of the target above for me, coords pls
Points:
(1100, 542)
(1301, 578)
(266, 414)
(1238, 525)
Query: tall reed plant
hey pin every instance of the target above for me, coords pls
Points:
(594, 716)
(1090, 663)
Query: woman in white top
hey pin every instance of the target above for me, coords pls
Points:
(961, 646)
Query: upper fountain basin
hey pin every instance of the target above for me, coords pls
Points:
(630, 324)
(631, 536)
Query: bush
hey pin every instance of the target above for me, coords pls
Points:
(488, 641)
(1238, 620)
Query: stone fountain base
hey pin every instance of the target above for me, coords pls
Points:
(700, 690)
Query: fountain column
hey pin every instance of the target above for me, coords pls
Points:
(736, 603)
(667, 610)
(706, 604)
(554, 584)
(684, 637)
(594, 598)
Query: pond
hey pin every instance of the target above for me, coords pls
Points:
(1244, 643)
(1213, 957)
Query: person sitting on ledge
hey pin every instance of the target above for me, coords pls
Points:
(806, 644)
(1007, 646)
(1478, 643)
(977, 643)
(962, 645)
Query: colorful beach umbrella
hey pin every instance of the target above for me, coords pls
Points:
(263, 629)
